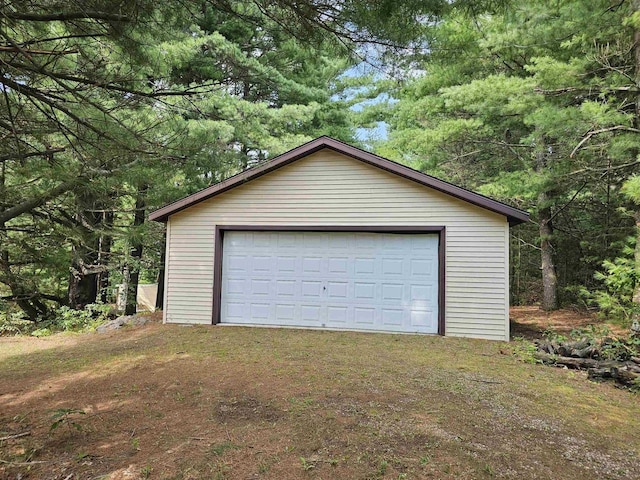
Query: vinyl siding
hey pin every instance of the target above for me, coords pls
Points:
(327, 188)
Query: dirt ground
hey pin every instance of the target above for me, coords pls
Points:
(531, 322)
(171, 402)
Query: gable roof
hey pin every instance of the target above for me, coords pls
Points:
(514, 215)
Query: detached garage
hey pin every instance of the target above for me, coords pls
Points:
(330, 236)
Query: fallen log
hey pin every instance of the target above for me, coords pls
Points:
(574, 349)
(620, 375)
(570, 362)
(599, 374)
(632, 367)
(626, 377)
(582, 349)
(597, 370)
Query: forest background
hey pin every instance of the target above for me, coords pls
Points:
(109, 110)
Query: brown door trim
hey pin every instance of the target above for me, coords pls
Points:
(219, 242)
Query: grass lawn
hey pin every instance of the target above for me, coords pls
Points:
(227, 402)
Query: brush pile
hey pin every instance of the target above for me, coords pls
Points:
(604, 358)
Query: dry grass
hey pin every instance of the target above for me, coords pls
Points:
(214, 402)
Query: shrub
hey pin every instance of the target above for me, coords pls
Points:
(70, 320)
(63, 319)
(619, 277)
(13, 323)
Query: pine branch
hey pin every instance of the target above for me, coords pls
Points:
(34, 202)
(111, 86)
(66, 16)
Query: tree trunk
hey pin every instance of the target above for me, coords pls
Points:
(29, 301)
(549, 276)
(135, 255)
(160, 294)
(635, 8)
(106, 241)
(83, 279)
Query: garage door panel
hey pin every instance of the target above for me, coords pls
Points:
(235, 311)
(311, 313)
(364, 266)
(262, 241)
(261, 264)
(286, 240)
(364, 242)
(261, 311)
(364, 317)
(393, 292)
(314, 240)
(338, 315)
(393, 317)
(312, 265)
(260, 287)
(338, 290)
(423, 267)
(421, 294)
(364, 291)
(285, 288)
(423, 318)
(237, 263)
(338, 266)
(392, 266)
(338, 280)
(286, 264)
(236, 286)
(285, 312)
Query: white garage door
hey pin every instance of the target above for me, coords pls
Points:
(360, 281)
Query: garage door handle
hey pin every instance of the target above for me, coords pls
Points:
(324, 288)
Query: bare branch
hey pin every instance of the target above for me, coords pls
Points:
(66, 16)
(8, 48)
(22, 156)
(598, 132)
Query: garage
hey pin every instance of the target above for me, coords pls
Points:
(337, 280)
(330, 236)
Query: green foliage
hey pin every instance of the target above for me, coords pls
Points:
(553, 336)
(631, 189)
(145, 472)
(63, 319)
(307, 464)
(156, 101)
(618, 279)
(527, 104)
(66, 416)
(41, 332)
(70, 320)
(525, 350)
(12, 322)
(621, 349)
(594, 333)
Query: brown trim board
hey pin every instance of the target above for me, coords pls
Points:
(514, 215)
(219, 245)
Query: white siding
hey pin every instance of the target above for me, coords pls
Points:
(327, 188)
